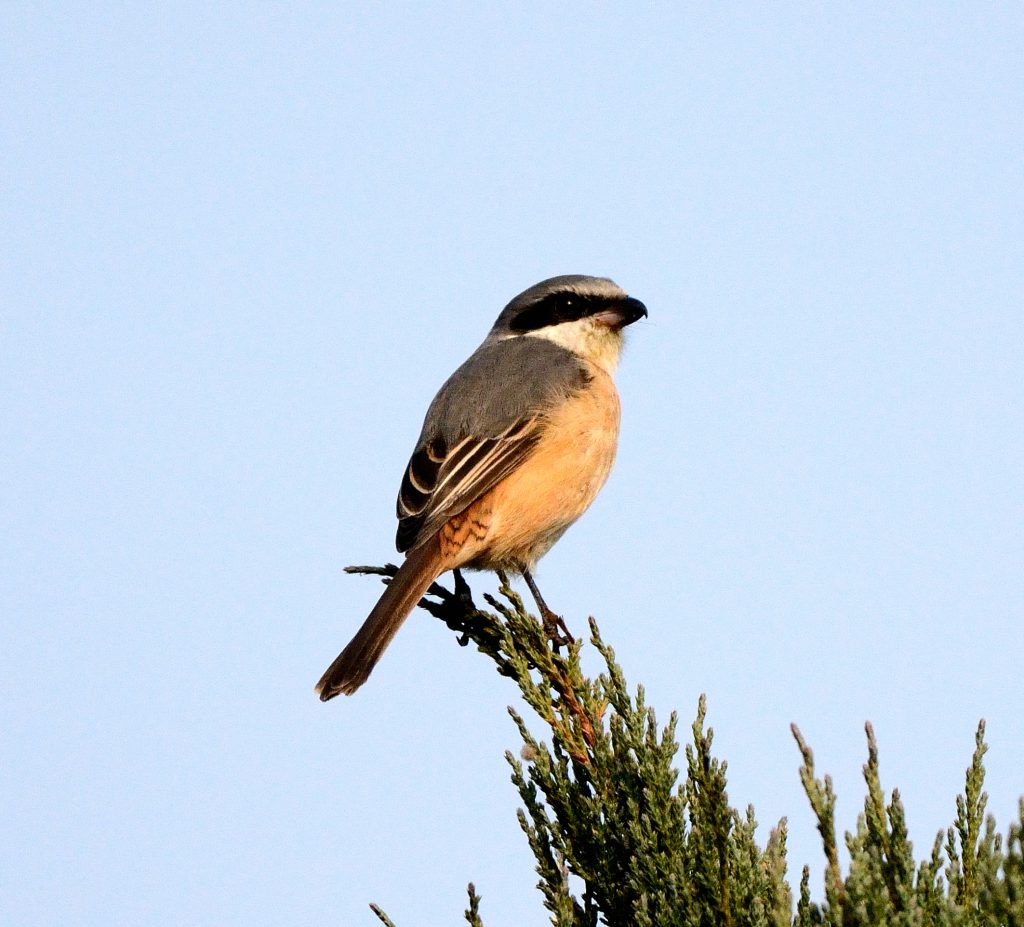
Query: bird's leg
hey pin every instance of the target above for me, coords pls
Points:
(554, 626)
(461, 589)
(458, 608)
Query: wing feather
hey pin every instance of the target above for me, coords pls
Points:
(462, 475)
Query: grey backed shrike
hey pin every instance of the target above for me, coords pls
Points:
(514, 448)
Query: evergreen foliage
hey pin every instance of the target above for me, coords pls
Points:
(619, 840)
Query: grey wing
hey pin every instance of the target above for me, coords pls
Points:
(481, 425)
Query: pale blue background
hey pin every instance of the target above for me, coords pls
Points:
(241, 247)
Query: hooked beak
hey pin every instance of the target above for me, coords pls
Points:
(622, 313)
(632, 309)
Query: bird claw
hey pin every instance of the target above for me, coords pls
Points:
(556, 631)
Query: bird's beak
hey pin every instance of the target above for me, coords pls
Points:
(622, 313)
(632, 309)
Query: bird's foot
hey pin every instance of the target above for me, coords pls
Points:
(555, 630)
(460, 606)
(462, 592)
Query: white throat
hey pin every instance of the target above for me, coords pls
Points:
(591, 340)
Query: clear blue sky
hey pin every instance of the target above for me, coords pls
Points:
(241, 247)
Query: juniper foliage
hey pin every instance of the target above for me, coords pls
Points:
(620, 840)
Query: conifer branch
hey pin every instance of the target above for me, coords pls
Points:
(823, 803)
(381, 916)
(620, 840)
(473, 911)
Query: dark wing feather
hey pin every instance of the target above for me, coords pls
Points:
(439, 482)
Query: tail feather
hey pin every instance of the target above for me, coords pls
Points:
(355, 663)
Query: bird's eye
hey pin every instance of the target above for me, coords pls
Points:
(552, 309)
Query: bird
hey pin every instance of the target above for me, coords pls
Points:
(514, 448)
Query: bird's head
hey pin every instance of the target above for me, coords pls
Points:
(585, 315)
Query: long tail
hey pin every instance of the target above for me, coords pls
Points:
(355, 663)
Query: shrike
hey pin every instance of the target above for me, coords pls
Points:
(513, 450)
